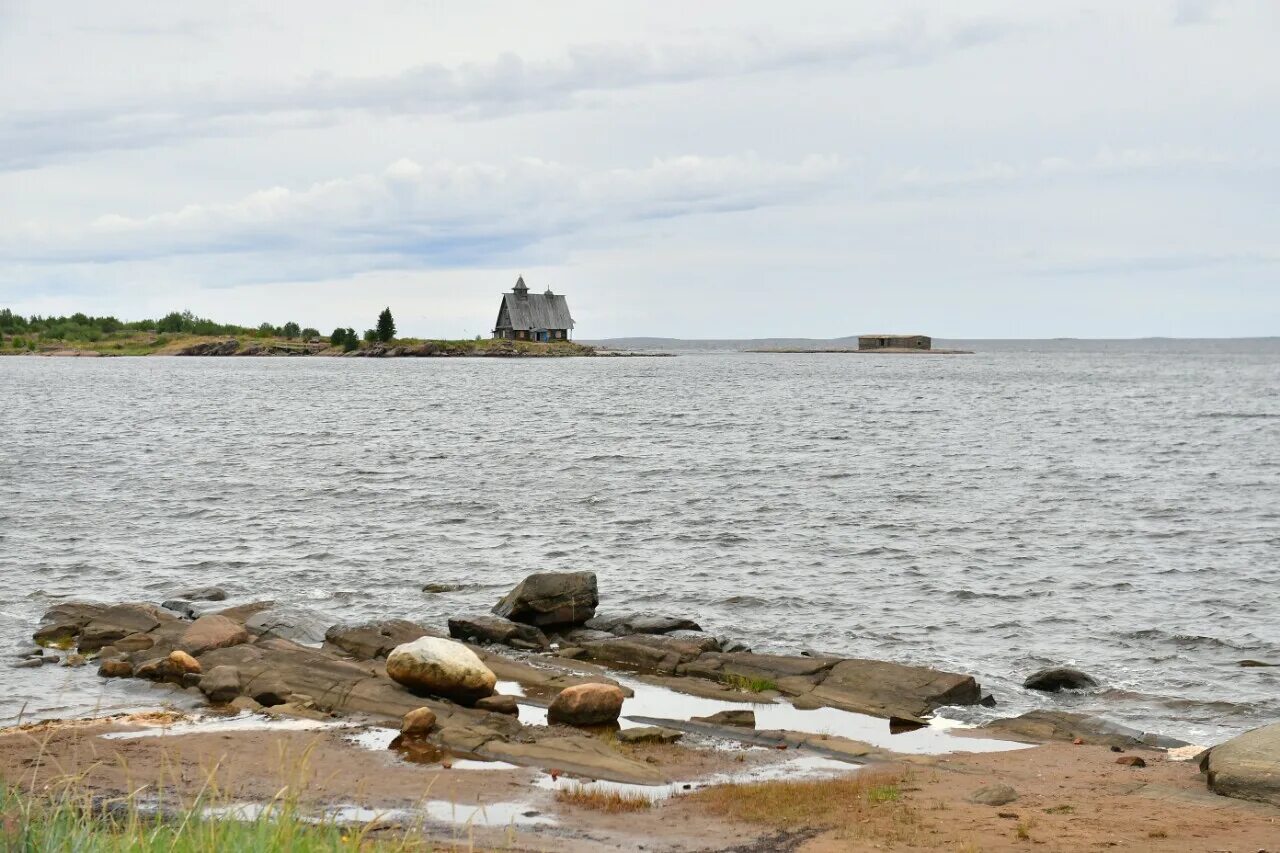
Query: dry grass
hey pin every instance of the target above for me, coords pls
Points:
(867, 804)
(604, 799)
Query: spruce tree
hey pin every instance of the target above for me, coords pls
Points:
(386, 326)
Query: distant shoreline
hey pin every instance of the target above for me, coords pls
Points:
(883, 351)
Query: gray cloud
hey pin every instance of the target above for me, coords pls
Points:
(506, 85)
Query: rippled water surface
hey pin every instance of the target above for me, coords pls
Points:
(991, 513)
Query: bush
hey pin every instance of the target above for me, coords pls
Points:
(370, 335)
(310, 333)
(350, 341)
(290, 330)
(266, 330)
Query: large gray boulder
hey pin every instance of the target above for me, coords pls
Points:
(1247, 767)
(495, 629)
(290, 623)
(551, 598)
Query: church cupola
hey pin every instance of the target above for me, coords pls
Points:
(520, 290)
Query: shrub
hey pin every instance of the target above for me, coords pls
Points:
(370, 335)
(290, 330)
(310, 333)
(350, 341)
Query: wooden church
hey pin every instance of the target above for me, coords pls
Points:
(525, 316)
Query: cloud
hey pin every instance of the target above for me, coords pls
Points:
(411, 215)
(505, 85)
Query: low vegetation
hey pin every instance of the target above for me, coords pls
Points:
(751, 685)
(866, 804)
(604, 799)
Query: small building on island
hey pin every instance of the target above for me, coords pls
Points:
(894, 342)
(525, 316)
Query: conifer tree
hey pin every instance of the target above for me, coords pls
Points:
(386, 326)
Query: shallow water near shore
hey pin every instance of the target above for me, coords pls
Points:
(1115, 508)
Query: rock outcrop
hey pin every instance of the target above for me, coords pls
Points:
(495, 629)
(1247, 767)
(375, 639)
(641, 623)
(439, 667)
(586, 705)
(1044, 726)
(290, 623)
(1059, 678)
(551, 598)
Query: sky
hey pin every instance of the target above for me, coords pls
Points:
(977, 169)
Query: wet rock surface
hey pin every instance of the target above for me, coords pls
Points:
(640, 623)
(586, 705)
(290, 623)
(1059, 678)
(376, 639)
(551, 598)
(212, 632)
(1044, 726)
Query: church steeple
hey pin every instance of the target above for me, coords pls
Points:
(520, 289)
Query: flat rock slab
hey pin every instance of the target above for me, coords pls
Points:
(1247, 767)
(1046, 726)
(376, 639)
(651, 652)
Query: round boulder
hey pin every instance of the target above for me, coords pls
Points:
(994, 795)
(115, 668)
(441, 667)
(183, 662)
(1059, 678)
(586, 705)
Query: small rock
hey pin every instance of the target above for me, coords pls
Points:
(191, 679)
(419, 721)
(441, 667)
(586, 705)
(301, 699)
(495, 629)
(205, 593)
(115, 668)
(499, 705)
(994, 795)
(987, 701)
(744, 719)
(29, 652)
(649, 734)
(74, 659)
(267, 690)
(244, 703)
(1131, 761)
(288, 709)
(155, 669)
(183, 662)
(1059, 678)
(48, 659)
(1254, 663)
(571, 652)
(29, 663)
(436, 588)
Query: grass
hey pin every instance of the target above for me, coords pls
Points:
(866, 804)
(604, 799)
(751, 685)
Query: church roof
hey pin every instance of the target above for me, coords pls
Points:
(535, 311)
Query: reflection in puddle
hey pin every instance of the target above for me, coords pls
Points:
(210, 725)
(487, 814)
(800, 767)
(419, 750)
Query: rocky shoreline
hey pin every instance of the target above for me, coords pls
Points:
(544, 685)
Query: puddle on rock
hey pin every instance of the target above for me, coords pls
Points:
(496, 815)
(211, 725)
(419, 750)
(659, 702)
(800, 767)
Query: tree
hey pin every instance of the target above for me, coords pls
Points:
(386, 326)
(350, 341)
(290, 330)
(310, 333)
(266, 330)
(338, 338)
(370, 335)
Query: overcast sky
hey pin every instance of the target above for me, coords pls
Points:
(710, 169)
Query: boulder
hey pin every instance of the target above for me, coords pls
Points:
(134, 643)
(221, 684)
(1042, 726)
(212, 632)
(641, 623)
(1131, 761)
(994, 795)
(419, 721)
(886, 689)
(119, 621)
(375, 639)
(495, 629)
(244, 704)
(551, 598)
(183, 662)
(437, 588)
(290, 623)
(1247, 767)
(204, 593)
(29, 663)
(743, 718)
(499, 705)
(115, 668)
(62, 623)
(267, 689)
(586, 705)
(1059, 678)
(440, 667)
(183, 608)
(157, 669)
